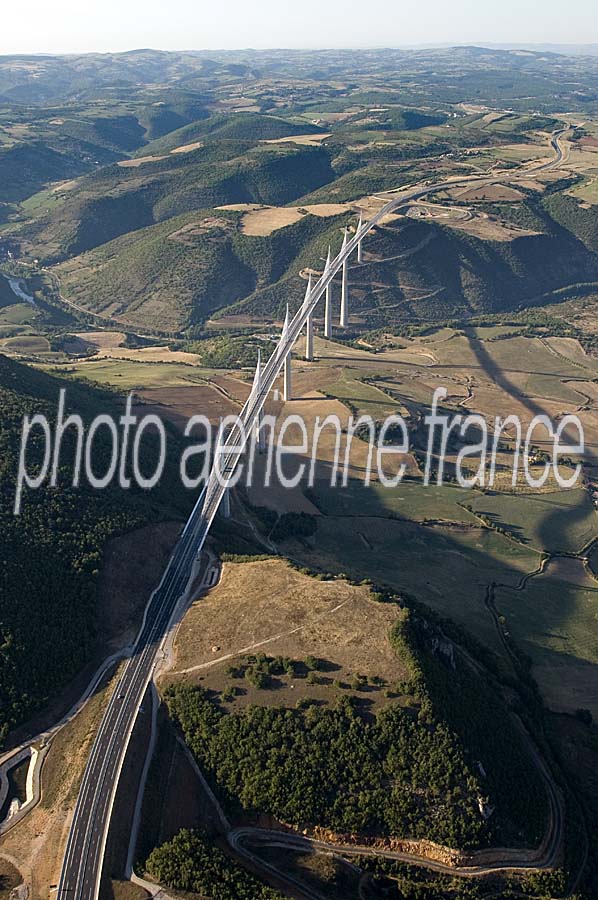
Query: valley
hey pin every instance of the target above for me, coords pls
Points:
(368, 692)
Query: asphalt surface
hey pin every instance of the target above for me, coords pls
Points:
(83, 861)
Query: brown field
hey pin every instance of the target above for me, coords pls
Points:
(188, 148)
(588, 390)
(103, 340)
(264, 220)
(533, 184)
(178, 404)
(489, 228)
(261, 222)
(138, 161)
(489, 192)
(267, 606)
(149, 354)
(65, 185)
(231, 386)
(482, 225)
(141, 160)
(582, 159)
(569, 347)
(310, 140)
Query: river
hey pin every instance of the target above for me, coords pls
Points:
(15, 284)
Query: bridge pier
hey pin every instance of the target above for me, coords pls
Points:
(328, 302)
(328, 313)
(257, 384)
(259, 432)
(344, 320)
(225, 505)
(286, 387)
(309, 323)
(309, 338)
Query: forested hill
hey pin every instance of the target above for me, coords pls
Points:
(51, 553)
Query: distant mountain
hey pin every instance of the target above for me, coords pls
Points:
(52, 79)
(563, 49)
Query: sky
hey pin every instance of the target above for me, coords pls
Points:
(75, 26)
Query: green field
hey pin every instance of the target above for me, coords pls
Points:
(365, 399)
(409, 500)
(587, 190)
(446, 568)
(127, 374)
(553, 619)
(26, 344)
(564, 521)
(17, 314)
(490, 332)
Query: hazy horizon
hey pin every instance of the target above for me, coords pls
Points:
(67, 27)
(531, 45)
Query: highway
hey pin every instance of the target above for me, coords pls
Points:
(82, 866)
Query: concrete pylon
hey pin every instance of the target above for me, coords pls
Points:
(359, 243)
(225, 504)
(328, 312)
(255, 390)
(284, 331)
(309, 325)
(286, 387)
(344, 320)
(328, 306)
(309, 338)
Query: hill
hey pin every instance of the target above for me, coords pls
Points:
(59, 142)
(117, 200)
(459, 74)
(190, 267)
(241, 127)
(178, 273)
(378, 711)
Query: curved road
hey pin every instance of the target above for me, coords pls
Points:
(83, 861)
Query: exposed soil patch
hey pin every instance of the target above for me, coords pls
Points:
(102, 339)
(489, 192)
(309, 140)
(178, 404)
(267, 606)
(132, 568)
(149, 354)
(9, 879)
(188, 148)
(138, 161)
